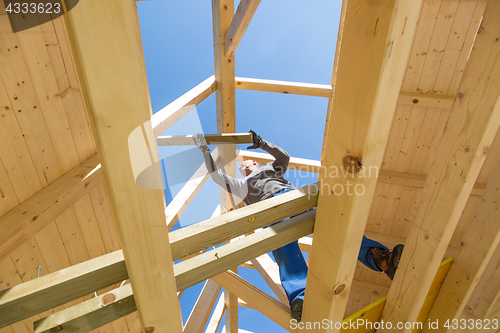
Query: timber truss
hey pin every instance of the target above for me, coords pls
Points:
(367, 76)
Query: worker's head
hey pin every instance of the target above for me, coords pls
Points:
(247, 167)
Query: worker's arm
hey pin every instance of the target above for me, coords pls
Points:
(230, 184)
(282, 158)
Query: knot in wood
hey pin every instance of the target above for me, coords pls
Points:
(251, 219)
(149, 329)
(460, 95)
(415, 101)
(108, 299)
(351, 164)
(339, 289)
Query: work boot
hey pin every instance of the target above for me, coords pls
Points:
(386, 260)
(296, 309)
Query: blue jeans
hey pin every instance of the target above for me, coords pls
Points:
(293, 267)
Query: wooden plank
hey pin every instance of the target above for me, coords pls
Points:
(367, 77)
(167, 116)
(269, 271)
(284, 87)
(255, 298)
(426, 100)
(487, 289)
(37, 60)
(34, 214)
(27, 108)
(203, 235)
(185, 196)
(476, 250)
(217, 315)
(202, 308)
(239, 24)
(15, 158)
(65, 76)
(119, 69)
(211, 263)
(183, 140)
(461, 153)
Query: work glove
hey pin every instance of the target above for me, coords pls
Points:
(256, 140)
(201, 143)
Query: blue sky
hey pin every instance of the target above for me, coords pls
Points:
(289, 41)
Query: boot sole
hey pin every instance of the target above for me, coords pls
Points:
(395, 257)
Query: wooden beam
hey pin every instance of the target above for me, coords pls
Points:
(94, 313)
(284, 87)
(477, 247)
(52, 290)
(203, 307)
(187, 140)
(255, 298)
(300, 164)
(222, 16)
(217, 315)
(425, 100)
(373, 48)
(384, 176)
(188, 192)
(91, 314)
(34, 214)
(208, 264)
(239, 24)
(203, 235)
(112, 27)
(472, 125)
(171, 113)
(269, 271)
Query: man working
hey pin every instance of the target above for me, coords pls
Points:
(263, 182)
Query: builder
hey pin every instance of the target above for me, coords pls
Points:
(263, 182)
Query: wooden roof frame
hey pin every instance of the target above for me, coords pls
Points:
(327, 292)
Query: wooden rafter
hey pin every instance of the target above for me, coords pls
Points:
(244, 13)
(384, 176)
(167, 116)
(202, 308)
(222, 16)
(185, 196)
(284, 87)
(255, 298)
(477, 247)
(269, 271)
(119, 69)
(472, 125)
(217, 315)
(367, 77)
(34, 214)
